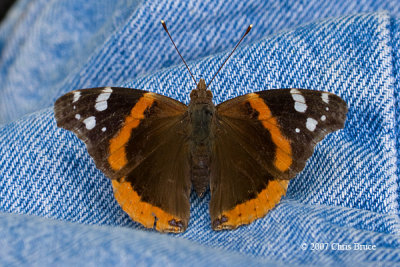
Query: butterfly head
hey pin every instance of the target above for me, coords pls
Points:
(201, 94)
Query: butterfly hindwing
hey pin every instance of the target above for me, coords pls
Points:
(128, 133)
(268, 136)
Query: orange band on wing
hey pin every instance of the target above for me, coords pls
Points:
(144, 212)
(283, 157)
(253, 209)
(117, 158)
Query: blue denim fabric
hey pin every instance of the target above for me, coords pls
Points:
(348, 193)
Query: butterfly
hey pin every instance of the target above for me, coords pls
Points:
(156, 149)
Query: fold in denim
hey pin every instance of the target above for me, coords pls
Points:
(348, 192)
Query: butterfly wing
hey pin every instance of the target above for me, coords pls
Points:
(261, 141)
(137, 139)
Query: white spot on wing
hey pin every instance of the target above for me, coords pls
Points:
(325, 97)
(300, 107)
(107, 90)
(101, 101)
(100, 106)
(103, 129)
(299, 101)
(323, 118)
(90, 122)
(77, 95)
(297, 96)
(297, 130)
(311, 124)
(77, 116)
(104, 96)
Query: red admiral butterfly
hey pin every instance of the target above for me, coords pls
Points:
(155, 148)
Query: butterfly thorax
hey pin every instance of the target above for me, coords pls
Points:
(201, 113)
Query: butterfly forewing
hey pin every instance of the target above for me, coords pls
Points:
(268, 136)
(128, 132)
(95, 116)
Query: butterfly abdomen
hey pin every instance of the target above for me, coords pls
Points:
(201, 117)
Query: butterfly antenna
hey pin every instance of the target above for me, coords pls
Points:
(165, 28)
(241, 39)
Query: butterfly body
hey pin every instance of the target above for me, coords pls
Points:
(201, 111)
